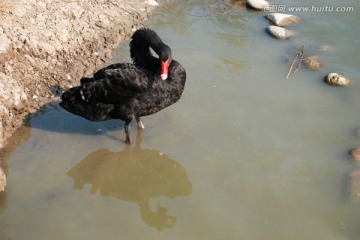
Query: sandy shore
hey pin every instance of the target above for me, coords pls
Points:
(49, 44)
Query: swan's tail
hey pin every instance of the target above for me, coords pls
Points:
(72, 101)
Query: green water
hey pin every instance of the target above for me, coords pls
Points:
(245, 154)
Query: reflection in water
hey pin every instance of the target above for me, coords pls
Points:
(134, 175)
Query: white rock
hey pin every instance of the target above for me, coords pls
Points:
(281, 19)
(258, 4)
(336, 79)
(280, 32)
(152, 2)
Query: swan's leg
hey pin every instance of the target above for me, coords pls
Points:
(140, 125)
(127, 131)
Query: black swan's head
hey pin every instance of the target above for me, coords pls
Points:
(141, 42)
(165, 60)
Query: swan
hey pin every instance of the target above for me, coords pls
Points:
(130, 90)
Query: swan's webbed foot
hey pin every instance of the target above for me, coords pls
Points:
(140, 125)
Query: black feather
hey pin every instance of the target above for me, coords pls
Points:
(126, 91)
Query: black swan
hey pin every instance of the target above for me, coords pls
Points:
(126, 91)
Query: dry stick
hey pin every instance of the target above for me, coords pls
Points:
(301, 58)
(292, 65)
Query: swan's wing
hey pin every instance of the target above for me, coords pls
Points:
(117, 84)
(100, 74)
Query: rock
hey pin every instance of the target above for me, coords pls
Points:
(280, 19)
(30, 59)
(4, 43)
(258, 4)
(152, 2)
(336, 79)
(312, 62)
(2, 180)
(103, 22)
(280, 32)
(13, 97)
(108, 54)
(354, 186)
(241, 4)
(355, 154)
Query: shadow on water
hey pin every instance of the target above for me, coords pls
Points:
(59, 120)
(135, 175)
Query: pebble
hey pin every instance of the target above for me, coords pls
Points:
(336, 79)
(355, 154)
(258, 4)
(280, 32)
(281, 20)
(312, 62)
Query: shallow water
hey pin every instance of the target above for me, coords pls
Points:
(245, 154)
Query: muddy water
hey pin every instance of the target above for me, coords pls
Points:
(245, 154)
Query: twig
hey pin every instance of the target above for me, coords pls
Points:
(291, 67)
(300, 60)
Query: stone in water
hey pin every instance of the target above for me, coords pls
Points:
(280, 32)
(258, 4)
(280, 19)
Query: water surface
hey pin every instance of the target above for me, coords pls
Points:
(245, 154)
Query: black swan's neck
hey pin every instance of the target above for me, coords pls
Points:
(140, 44)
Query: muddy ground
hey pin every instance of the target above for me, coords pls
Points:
(47, 45)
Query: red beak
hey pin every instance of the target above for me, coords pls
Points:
(164, 69)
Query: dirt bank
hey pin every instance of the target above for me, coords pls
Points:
(49, 44)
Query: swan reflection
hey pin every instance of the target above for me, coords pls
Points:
(134, 175)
